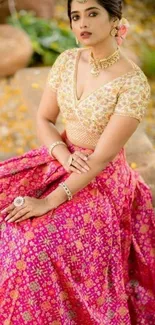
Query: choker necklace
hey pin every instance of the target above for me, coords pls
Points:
(100, 64)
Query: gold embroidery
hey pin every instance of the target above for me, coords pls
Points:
(46, 306)
(98, 224)
(69, 223)
(29, 235)
(82, 231)
(34, 286)
(7, 322)
(60, 250)
(21, 265)
(86, 119)
(72, 314)
(54, 277)
(73, 258)
(123, 311)
(51, 228)
(79, 244)
(100, 301)
(152, 252)
(14, 294)
(63, 295)
(39, 272)
(42, 256)
(89, 283)
(86, 218)
(27, 316)
(144, 229)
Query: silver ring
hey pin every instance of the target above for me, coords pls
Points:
(18, 201)
(70, 160)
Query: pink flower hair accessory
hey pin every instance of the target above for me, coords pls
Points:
(122, 27)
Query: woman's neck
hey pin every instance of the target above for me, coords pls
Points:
(103, 50)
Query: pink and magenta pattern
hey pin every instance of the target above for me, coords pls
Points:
(91, 261)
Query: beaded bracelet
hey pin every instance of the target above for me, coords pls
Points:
(67, 190)
(56, 143)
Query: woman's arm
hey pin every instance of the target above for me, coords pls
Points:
(46, 118)
(48, 134)
(114, 137)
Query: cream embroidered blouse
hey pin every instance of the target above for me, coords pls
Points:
(86, 119)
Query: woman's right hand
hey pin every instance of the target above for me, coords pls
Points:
(77, 163)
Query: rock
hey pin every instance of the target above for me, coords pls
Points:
(148, 174)
(139, 148)
(15, 50)
(141, 154)
(31, 82)
(43, 9)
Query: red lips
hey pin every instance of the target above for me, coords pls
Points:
(85, 34)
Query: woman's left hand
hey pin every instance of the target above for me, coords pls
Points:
(32, 207)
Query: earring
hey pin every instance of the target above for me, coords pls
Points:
(113, 32)
(77, 42)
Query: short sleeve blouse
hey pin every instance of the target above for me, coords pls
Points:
(127, 95)
(134, 97)
(54, 76)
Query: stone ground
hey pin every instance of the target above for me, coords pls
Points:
(19, 100)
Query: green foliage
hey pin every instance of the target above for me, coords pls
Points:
(48, 39)
(148, 61)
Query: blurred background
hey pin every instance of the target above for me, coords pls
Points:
(32, 35)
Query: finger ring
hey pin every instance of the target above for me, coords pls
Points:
(70, 160)
(18, 201)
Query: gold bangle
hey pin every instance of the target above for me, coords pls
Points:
(56, 143)
(67, 190)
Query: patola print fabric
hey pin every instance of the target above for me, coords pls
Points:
(91, 261)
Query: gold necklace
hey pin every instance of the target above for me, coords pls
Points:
(100, 64)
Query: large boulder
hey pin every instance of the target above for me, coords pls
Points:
(31, 82)
(141, 156)
(15, 50)
(42, 8)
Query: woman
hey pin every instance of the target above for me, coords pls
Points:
(77, 223)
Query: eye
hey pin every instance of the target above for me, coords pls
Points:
(75, 18)
(93, 14)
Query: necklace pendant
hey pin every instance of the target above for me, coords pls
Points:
(100, 64)
(94, 72)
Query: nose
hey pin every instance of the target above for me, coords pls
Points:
(83, 23)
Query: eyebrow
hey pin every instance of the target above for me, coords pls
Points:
(73, 12)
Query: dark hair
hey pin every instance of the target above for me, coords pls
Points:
(113, 7)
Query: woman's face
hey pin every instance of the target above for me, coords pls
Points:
(92, 18)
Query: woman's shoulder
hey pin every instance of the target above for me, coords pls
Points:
(136, 79)
(63, 58)
(69, 53)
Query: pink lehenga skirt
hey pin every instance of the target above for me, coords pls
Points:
(89, 262)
